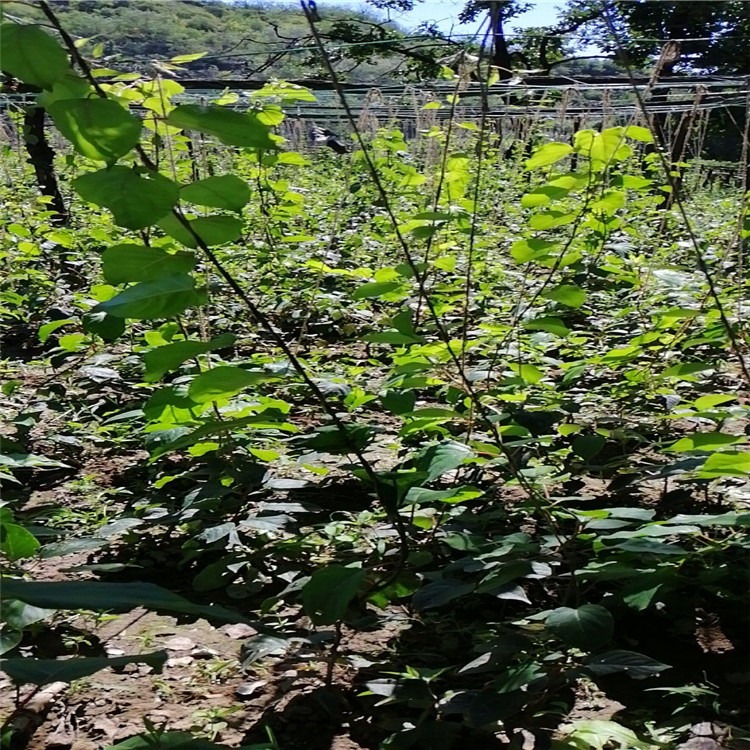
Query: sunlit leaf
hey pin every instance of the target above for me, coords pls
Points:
(124, 263)
(32, 55)
(639, 133)
(549, 324)
(230, 127)
(570, 295)
(181, 59)
(212, 230)
(161, 298)
(48, 329)
(99, 129)
(161, 360)
(375, 289)
(223, 191)
(135, 201)
(726, 465)
(16, 542)
(223, 382)
(547, 154)
(705, 441)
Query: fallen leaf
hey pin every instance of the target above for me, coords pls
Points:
(178, 643)
(248, 688)
(239, 630)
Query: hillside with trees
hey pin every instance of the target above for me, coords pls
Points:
(240, 39)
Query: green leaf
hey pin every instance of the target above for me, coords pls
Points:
(72, 342)
(160, 298)
(31, 55)
(543, 195)
(603, 148)
(375, 289)
(112, 597)
(588, 446)
(177, 439)
(529, 373)
(640, 592)
(125, 263)
(48, 329)
(611, 202)
(180, 59)
(9, 639)
(597, 734)
(503, 575)
(639, 133)
(292, 158)
(223, 191)
(630, 663)
(705, 441)
(549, 324)
(633, 182)
(223, 382)
(550, 219)
(30, 461)
(230, 127)
(213, 230)
(586, 627)
(329, 439)
(101, 324)
(45, 671)
(19, 615)
(290, 92)
(441, 458)
(165, 358)
(421, 495)
(136, 202)
(98, 129)
(16, 542)
(549, 153)
(440, 592)
(709, 402)
(719, 519)
(570, 295)
(398, 402)
(391, 337)
(216, 575)
(326, 596)
(524, 251)
(653, 530)
(271, 114)
(170, 405)
(623, 354)
(687, 369)
(70, 86)
(726, 465)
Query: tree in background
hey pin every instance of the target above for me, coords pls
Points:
(713, 34)
(499, 14)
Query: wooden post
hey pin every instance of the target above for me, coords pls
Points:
(41, 157)
(677, 147)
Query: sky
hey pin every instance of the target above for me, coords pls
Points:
(445, 14)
